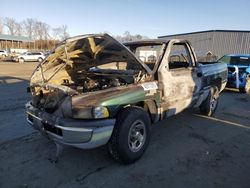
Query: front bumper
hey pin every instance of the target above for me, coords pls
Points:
(83, 134)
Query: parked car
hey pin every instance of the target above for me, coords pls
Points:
(92, 91)
(3, 53)
(238, 71)
(31, 56)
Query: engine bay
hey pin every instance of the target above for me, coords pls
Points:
(96, 81)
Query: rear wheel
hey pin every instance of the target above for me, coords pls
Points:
(130, 137)
(242, 90)
(209, 106)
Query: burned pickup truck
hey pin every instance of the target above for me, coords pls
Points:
(92, 90)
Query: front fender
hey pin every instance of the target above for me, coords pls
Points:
(115, 98)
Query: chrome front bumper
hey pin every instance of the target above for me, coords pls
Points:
(83, 134)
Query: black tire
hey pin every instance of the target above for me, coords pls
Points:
(21, 60)
(129, 140)
(242, 90)
(209, 105)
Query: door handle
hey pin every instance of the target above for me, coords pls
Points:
(199, 74)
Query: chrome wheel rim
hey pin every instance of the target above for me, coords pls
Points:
(137, 136)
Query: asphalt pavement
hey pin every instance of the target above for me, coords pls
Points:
(186, 150)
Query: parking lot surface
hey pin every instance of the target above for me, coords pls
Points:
(187, 150)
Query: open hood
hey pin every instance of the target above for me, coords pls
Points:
(81, 53)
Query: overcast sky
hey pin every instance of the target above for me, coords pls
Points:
(150, 18)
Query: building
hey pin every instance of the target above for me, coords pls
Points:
(216, 43)
(11, 41)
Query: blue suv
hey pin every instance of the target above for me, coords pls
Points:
(238, 71)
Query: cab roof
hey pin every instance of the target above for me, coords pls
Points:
(146, 42)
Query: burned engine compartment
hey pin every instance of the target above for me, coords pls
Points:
(99, 80)
(52, 96)
(96, 83)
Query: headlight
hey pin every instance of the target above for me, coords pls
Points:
(90, 112)
(100, 112)
(79, 112)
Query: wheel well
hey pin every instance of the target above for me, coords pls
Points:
(217, 83)
(150, 107)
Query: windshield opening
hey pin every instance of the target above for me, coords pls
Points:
(148, 54)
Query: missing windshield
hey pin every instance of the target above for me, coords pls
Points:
(149, 54)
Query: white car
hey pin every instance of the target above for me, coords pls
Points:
(3, 53)
(31, 56)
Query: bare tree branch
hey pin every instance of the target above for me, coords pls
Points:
(65, 33)
(60, 33)
(1, 26)
(29, 25)
(10, 23)
(19, 29)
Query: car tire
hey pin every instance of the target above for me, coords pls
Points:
(242, 90)
(209, 105)
(40, 59)
(20, 60)
(131, 135)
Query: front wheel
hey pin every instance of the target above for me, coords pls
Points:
(131, 134)
(209, 105)
(40, 60)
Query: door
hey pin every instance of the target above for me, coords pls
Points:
(33, 57)
(179, 78)
(28, 56)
